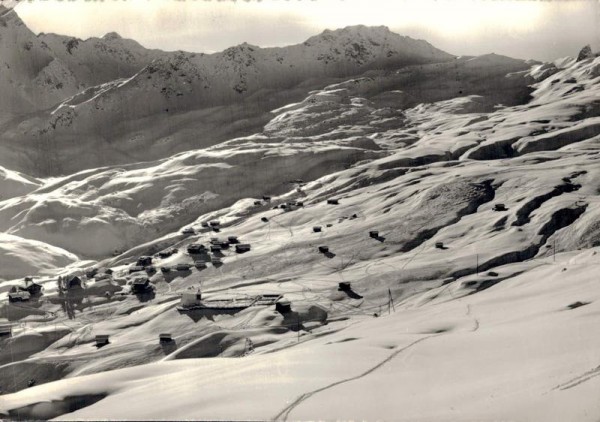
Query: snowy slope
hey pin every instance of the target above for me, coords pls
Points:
(455, 357)
(328, 131)
(493, 323)
(14, 184)
(19, 256)
(121, 207)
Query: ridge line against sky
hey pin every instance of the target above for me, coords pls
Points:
(527, 29)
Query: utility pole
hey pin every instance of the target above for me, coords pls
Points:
(390, 302)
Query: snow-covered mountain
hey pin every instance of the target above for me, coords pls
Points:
(105, 100)
(474, 299)
(26, 68)
(95, 61)
(39, 72)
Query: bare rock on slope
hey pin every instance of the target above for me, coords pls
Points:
(585, 53)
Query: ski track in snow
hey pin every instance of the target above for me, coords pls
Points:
(284, 414)
(574, 382)
(475, 320)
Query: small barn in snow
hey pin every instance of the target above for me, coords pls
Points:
(5, 330)
(18, 296)
(165, 338)
(140, 285)
(102, 340)
(283, 306)
(72, 281)
(144, 261)
(191, 299)
(31, 287)
(242, 247)
(183, 267)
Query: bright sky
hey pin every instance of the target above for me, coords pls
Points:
(536, 29)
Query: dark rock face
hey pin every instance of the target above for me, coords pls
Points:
(585, 53)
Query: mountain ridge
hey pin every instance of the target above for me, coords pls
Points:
(219, 95)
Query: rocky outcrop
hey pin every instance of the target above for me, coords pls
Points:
(585, 53)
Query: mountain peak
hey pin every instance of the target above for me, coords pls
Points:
(363, 44)
(243, 47)
(368, 35)
(353, 31)
(363, 29)
(8, 14)
(6, 7)
(112, 36)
